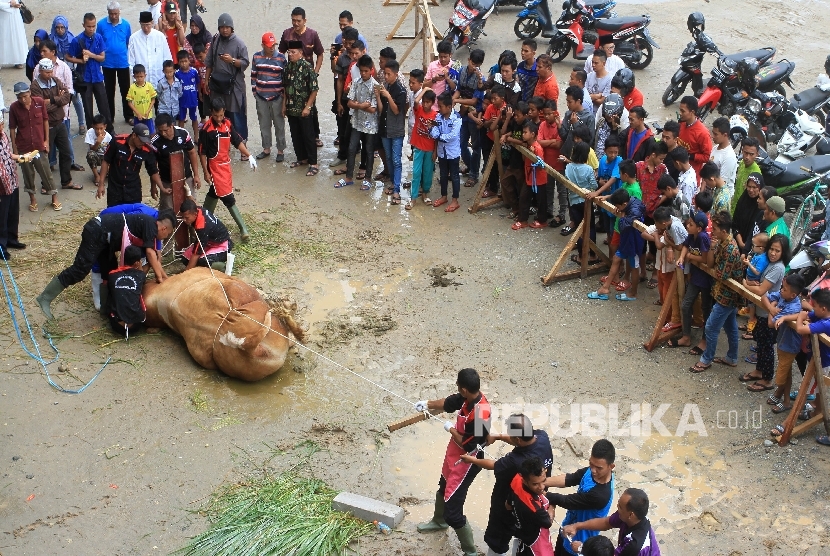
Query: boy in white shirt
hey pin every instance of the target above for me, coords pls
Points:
(724, 155)
(98, 140)
(687, 180)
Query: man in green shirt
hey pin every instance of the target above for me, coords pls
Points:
(747, 166)
(301, 93)
(774, 214)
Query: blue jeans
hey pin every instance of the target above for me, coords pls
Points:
(239, 121)
(470, 134)
(53, 150)
(721, 317)
(393, 146)
(448, 168)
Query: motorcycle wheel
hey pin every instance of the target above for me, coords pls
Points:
(820, 117)
(527, 28)
(640, 43)
(558, 50)
(453, 36)
(703, 112)
(673, 92)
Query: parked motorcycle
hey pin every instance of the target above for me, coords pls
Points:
(467, 21)
(632, 40)
(536, 15)
(815, 101)
(812, 254)
(692, 57)
(726, 90)
(792, 182)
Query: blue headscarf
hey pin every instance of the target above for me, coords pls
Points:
(64, 41)
(34, 53)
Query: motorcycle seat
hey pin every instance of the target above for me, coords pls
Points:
(793, 173)
(594, 4)
(617, 23)
(806, 100)
(768, 76)
(762, 55)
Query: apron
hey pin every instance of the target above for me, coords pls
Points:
(212, 249)
(220, 168)
(128, 239)
(542, 546)
(453, 473)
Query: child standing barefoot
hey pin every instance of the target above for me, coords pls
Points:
(536, 180)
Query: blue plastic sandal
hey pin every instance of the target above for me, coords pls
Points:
(598, 296)
(623, 297)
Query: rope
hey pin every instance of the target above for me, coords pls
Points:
(310, 350)
(539, 163)
(37, 356)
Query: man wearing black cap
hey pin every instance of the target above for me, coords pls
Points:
(122, 163)
(148, 47)
(170, 24)
(226, 62)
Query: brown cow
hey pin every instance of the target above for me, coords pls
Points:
(194, 305)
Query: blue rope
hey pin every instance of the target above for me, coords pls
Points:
(37, 356)
(539, 163)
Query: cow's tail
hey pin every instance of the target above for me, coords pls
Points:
(285, 310)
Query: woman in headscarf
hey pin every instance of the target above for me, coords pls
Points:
(13, 44)
(63, 37)
(198, 32)
(34, 53)
(746, 215)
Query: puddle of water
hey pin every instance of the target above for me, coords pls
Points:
(418, 453)
(327, 294)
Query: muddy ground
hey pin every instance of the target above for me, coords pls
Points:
(405, 299)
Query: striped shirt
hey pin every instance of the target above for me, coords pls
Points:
(266, 75)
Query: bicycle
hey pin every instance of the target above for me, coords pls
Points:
(804, 215)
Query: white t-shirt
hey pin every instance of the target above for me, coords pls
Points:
(687, 182)
(91, 138)
(612, 64)
(728, 164)
(678, 234)
(596, 85)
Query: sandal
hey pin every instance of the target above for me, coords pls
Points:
(556, 222)
(396, 199)
(772, 400)
(319, 143)
(598, 296)
(652, 283)
(758, 387)
(624, 297)
(806, 413)
(33, 207)
(243, 159)
(365, 186)
(696, 351)
(71, 185)
(810, 397)
(43, 191)
(622, 286)
(470, 182)
(56, 206)
(650, 267)
(567, 230)
(699, 367)
(752, 359)
(780, 408)
(297, 164)
(455, 206)
(342, 183)
(778, 430)
(361, 174)
(440, 201)
(408, 205)
(77, 168)
(262, 155)
(340, 172)
(722, 361)
(747, 377)
(669, 326)
(388, 190)
(822, 439)
(675, 343)
(312, 171)
(427, 200)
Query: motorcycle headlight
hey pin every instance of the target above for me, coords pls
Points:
(727, 66)
(754, 105)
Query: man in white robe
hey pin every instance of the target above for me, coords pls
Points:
(149, 48)
(13, 43)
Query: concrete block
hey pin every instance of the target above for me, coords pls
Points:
(368, 509)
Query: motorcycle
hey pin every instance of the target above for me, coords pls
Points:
(467, 21)
(631, 37)
(771, 118)
(815, 101)
(690, 66)
(812, 253)
(536, 14)
(730, 80)
(790, 179)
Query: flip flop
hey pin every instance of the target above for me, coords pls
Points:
(722, 361)
(757, 387)
(747, 377)
(319, 143)
(453, 208)
(699, 367)
(624, 297)
(669, 326)
(33, 207)
(297, 164)
(822, 439)
(695, 351)
(340, 172)
(342, 183)
(408, 205)
(56, 206)
(440, 201)
(598, 296)
(72, 185)
(622, 286)
(365, 186)
(777, 430)
(652, 283)
(396, 199)
(810, 397)
(673, 343)
(752, 359)
(519, 225)
(312, 171)
(780, 408)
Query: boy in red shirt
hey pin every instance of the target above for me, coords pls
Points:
(423, 147)
(493, 117)
(548, 137)
(536, 179)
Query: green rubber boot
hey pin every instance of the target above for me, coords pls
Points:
(210, 203)
(45, 299)
(465, 537)
(237, 217)
(437, 522)
(104, 293)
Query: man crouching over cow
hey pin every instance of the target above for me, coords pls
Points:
(126, 306)
(102, 237)
(213, 241)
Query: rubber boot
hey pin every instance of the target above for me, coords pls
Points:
(104, 295)
(210, 203)
(465, 537)
(237, 217)
(96, 279)
(218, 265)
(491, 552)
(45, 299)
(437, 522)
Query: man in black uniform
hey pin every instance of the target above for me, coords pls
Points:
(122, 162)
(126, 307)
(101, 238)
(213, 239)
(528, 443)
(170, 139)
